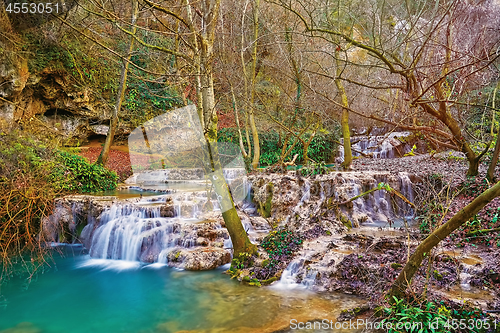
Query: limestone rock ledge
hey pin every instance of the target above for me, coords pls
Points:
(198, 259)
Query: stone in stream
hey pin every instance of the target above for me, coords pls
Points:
(198, 259)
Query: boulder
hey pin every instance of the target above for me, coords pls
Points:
(198, 259)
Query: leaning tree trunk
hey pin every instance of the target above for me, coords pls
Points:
(404, 279)
(103, 157)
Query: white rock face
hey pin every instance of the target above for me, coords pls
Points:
(297, 199)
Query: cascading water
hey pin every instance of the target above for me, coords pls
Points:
(407, 191)
(384, 146)
(288, 278)
(300, 200)
(136, 231)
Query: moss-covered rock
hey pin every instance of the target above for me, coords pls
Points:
(266, 206)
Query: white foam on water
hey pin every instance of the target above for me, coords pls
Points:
(224, 267)
(288, 277)
(156, 265)
(110, 264)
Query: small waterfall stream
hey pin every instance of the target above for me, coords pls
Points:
(381, 146)
(153, 229)
(373, 212)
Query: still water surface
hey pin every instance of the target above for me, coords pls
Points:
(83, 295)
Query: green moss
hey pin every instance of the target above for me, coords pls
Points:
(345, 221)
(438, 276)
(255, 282)
(269, 281)
(79, 229)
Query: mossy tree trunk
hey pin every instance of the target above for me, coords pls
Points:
(404, 279)
(344, 120)
(494, 159)
(198, 58)
(239, 237)
(253, 73)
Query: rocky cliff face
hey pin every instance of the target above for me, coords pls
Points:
(48, 101)
(13, 78)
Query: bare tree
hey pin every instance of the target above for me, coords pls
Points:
(494, 159)
(103, 157)
(404, 278)
(432, 52)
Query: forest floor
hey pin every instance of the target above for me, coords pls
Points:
(118, 160)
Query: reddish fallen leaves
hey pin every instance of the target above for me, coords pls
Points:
(226, 120)
(118, 161)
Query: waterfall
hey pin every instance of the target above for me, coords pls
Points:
(288, 278)
(137, 232)
(407, 191)
(126, 231)
(383, 146)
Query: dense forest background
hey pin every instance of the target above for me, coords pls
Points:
(284, 72)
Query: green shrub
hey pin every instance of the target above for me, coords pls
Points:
(417, 318)
(32, 175)
(323, 147)
(281, 245)
(77, 174)
(442, 316)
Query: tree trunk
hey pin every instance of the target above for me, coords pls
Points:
(245, 80)
(255, 134)
(307, 144)
(103, 157)
(237, 121)
(473, 167)
(197, 61)
(239, 237)
(404, 279)
(256, 143)
(494, 159)
(344, 120)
